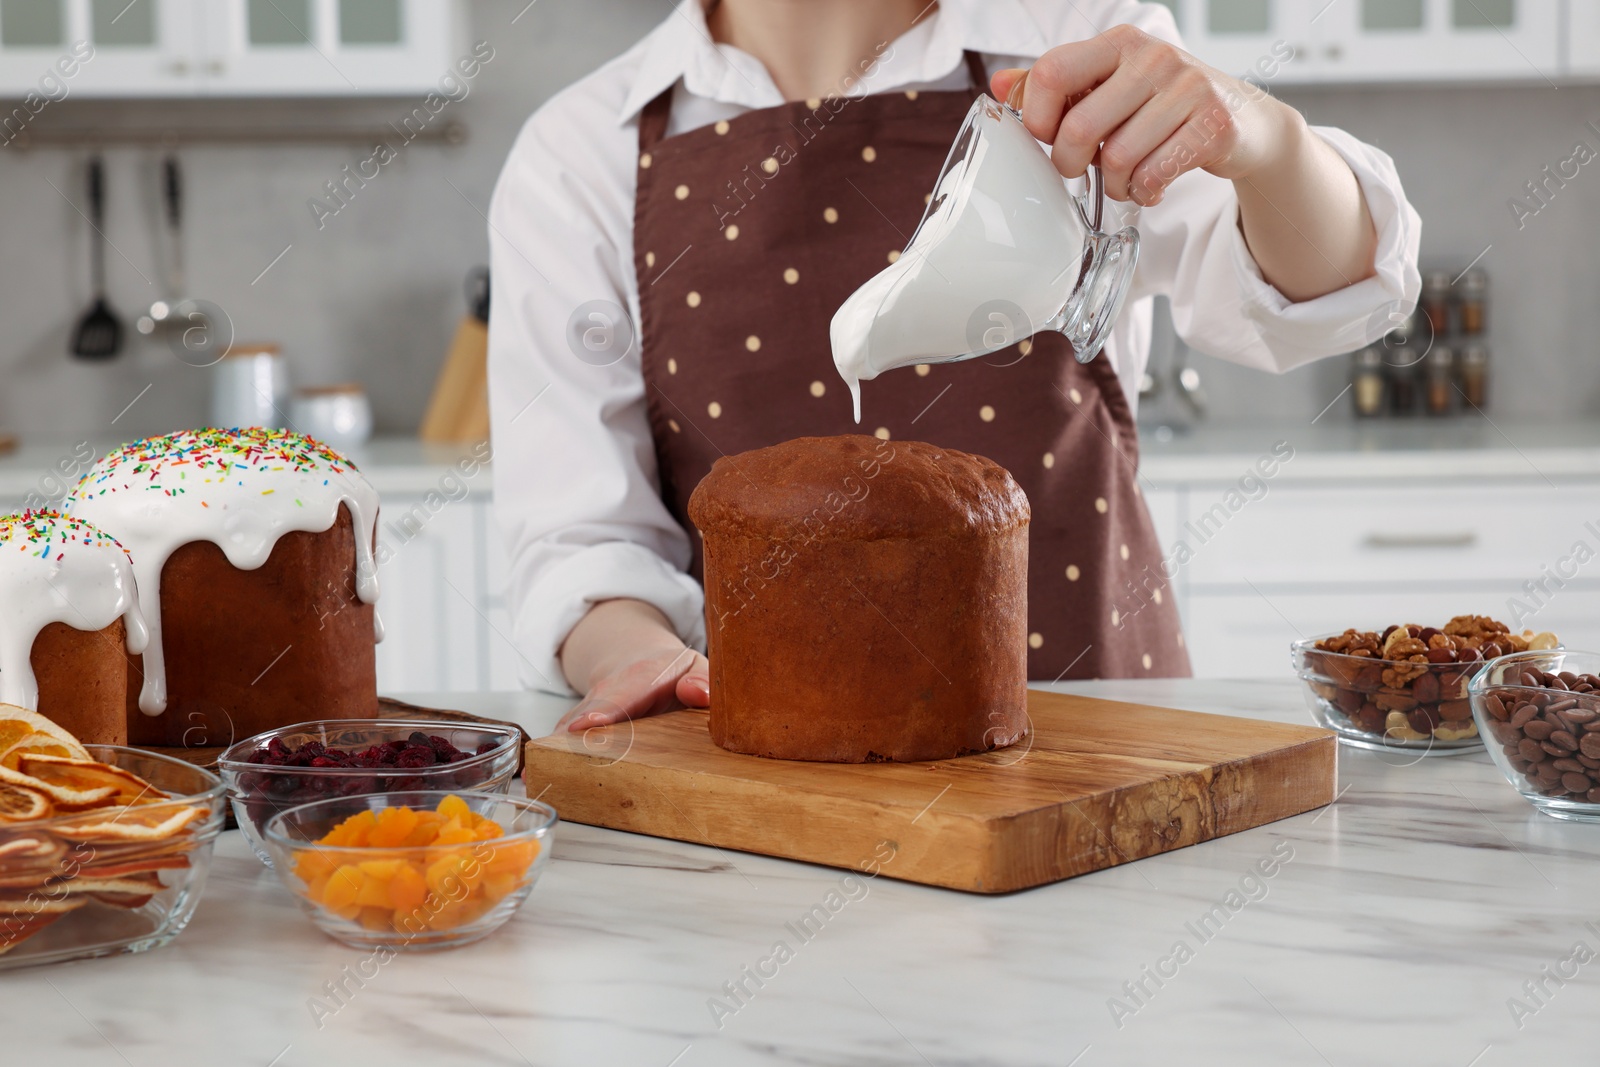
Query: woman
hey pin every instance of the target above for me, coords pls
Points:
(671, 235)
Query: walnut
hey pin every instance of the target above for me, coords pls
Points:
(1351, 643)
(1403, 646)
(1404, 671)
(1441, 640)
(1480, 626)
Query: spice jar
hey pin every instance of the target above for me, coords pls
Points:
(1367, 384)
(1439, 369)
(1435, 302)
(1472, 298)
(1473, 374)
(1402, 374)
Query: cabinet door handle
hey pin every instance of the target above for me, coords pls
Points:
(1459, 539)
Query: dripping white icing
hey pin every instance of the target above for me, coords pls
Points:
(57, 569)
(241, 490)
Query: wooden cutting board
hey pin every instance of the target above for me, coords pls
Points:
(1098, 784)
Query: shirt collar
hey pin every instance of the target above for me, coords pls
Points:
(682, 48)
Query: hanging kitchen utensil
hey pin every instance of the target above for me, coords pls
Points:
(99, 333)
(160, 313)
(459, 410)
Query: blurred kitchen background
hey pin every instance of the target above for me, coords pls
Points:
(263, 102)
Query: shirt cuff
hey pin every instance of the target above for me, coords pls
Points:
(565, 591)
(1359, 314)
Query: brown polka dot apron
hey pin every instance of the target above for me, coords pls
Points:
(749, 234)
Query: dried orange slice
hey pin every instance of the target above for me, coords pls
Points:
(128, 824)
(59, 794)
(89, 775)
(22, 731)
(25, 848)
(19, 803)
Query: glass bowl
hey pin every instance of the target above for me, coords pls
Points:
(259, 791)
(1420, 708)
(85, 884)
(411, 897)
(1544, 740)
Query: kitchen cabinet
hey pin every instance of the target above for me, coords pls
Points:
(443, 603)
(1582, 39)
(1355, 41)
(1306, 560)
(223, 48)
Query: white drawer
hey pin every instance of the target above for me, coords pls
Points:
(1311, 536)
(1246, 635)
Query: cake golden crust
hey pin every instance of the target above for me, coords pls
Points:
(83, 679)
(922, 491)
(865, 600)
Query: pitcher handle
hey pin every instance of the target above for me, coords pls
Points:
(1092, 204)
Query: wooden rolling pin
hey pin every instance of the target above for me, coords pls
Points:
(459, 409)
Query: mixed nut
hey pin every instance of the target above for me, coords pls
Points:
(1409, 683)
(1548, 726)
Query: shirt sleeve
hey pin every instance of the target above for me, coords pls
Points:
(577, 493)
(1193, 251)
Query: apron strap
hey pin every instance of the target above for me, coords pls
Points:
(975, 71)
(653, 119)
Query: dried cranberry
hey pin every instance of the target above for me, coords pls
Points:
(417, 757)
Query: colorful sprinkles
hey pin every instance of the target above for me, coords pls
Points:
(49, 534)
(162, 464)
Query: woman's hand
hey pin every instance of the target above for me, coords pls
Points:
(626, 659)
(1151, 111)
(1147, 112)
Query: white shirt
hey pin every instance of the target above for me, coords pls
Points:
(576, 487)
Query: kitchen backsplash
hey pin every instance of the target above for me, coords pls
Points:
(375, 293)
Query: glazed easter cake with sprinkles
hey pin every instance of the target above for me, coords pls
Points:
(253, 555)
(69, 617)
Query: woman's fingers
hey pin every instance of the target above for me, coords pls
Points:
(1131, 143)
(647, 686)
(1003, 81)
(1096, 117)
(591, 712)
(1069, 71)
(1205, 140)
(694, 688)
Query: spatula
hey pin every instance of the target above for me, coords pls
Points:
(99, 334)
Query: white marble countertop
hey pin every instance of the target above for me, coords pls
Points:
(1398, 926)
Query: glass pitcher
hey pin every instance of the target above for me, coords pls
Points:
(1004, 250)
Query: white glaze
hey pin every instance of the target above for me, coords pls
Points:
(56, 569)
(1001, 233)
(241, 490)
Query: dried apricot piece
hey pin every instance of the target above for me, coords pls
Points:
(393, 827)
(407, 889)
(344, 885)
(373, 892)
(453, 807)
